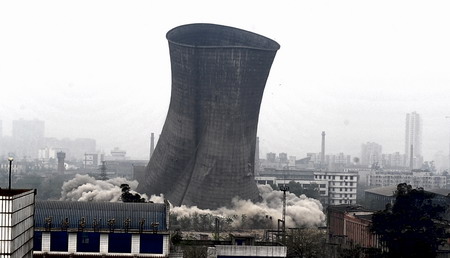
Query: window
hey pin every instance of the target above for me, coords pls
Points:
(333, 177)
(345, 195)
(346, 183)
(346, 189)
(322, 186)
(351, 184)
(350, 201)
(342, 177)
(340, 201)
(346, 177)
(351, 177)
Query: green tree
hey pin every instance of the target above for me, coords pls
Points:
(412, 226)
(311, 191)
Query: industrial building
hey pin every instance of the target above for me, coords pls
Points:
(101, 229)
(205, 155)
(16, 223)
(349, 226)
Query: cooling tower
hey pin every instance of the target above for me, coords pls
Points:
(206, 151)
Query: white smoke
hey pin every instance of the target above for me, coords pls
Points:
(88, 189)
(300, 211)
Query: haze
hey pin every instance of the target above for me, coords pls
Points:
(100, 69)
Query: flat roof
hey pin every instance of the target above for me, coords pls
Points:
(12, 192)
(439, 191)
(385, 191)
(73, 212)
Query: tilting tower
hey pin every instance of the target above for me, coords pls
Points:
(206, 152)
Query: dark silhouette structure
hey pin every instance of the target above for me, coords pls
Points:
(206, 152)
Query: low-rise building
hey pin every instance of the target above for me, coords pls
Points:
(425, 180)
(378, 198)
(101, 229)
(349, 226)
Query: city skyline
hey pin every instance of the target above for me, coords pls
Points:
(350, 69)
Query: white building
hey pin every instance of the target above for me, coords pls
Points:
(305, 184)
(16, 223)
(413, 139)
(415, 179)
(342, 186)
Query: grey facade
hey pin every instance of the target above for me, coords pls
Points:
(206, 152)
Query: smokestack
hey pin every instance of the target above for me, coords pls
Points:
(322, 154)
(152, 144)
(411, 158)
(61, 156)
(257, 155)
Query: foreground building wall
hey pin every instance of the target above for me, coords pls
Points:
(16, 223)
(206, 152)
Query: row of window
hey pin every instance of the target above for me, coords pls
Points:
(332, 189)
(342, 183)
(342, 195)
(341, 201)
(334, 177)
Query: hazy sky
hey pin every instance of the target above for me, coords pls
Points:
(100, 69)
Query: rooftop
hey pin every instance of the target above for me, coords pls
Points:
(350, 209)
(99, 214)
(386, 191)
(13, 192)
(439, 191)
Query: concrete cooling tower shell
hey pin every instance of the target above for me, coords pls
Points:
(206, 151)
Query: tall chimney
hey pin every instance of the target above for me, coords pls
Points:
(152, 144)
(322, 154)
(257, 156)
(61, 156)
(411, 158)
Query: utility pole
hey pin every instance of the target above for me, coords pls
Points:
(103, 175)
(10, 159)
(284, 188)
(447, 117)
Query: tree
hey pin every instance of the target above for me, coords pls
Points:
(412, 226)
(307, 242)
(312, 191)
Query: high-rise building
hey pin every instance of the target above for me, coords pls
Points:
(371, 153)
(28, 138)
(413, 140)
(283, 157)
